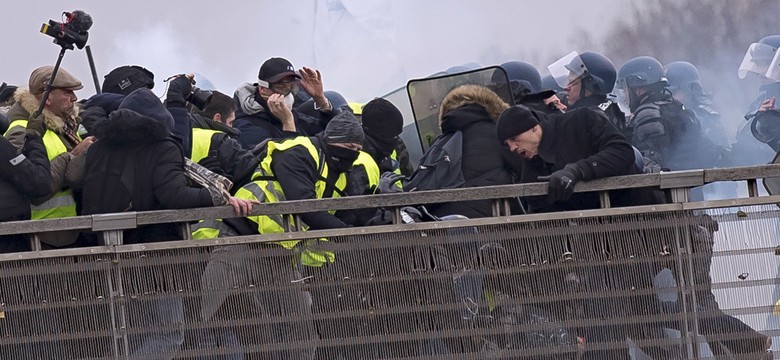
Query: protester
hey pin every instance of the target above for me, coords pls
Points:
(265, 108)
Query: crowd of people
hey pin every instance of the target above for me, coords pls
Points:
(283, 137)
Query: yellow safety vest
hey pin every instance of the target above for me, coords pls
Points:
(370, 167)
(62, 203)
(211, 229)
(201, 143)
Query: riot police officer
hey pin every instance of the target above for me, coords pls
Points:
(588, 80)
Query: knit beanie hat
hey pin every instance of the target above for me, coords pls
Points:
(381, 119)
(514, 121)
(344, 128)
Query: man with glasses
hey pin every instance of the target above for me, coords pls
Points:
(265, 108)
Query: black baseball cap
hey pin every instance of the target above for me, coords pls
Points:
(275, 69)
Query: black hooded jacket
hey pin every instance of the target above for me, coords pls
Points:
(23, 177)
(485, 162)
(136, 165)
(609, 107)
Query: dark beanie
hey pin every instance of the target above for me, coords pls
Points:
(381, 119)
(344, 128)
(514, 121)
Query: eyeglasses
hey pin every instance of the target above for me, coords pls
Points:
(285, 87)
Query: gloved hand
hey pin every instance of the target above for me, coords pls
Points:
(381, 217)
(388, 183)
(36, 126)
(562, 182)
(178, 89)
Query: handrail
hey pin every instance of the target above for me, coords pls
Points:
(664, 180)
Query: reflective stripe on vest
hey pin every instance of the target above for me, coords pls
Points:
(62, 203)
(372, 171)
(265, 190)
(201, 143)
(211, 229)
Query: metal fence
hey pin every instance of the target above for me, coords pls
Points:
(679, 280)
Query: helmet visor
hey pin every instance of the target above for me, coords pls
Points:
(773, 72)
(567, 69)
(757, 60)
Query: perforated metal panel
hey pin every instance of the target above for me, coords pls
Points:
(551, 289)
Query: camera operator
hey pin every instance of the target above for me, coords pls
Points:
(64, 148)
(212, 146)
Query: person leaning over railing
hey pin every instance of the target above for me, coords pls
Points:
(23, 176)
(300, 168)
(136, 165)
(580, 145)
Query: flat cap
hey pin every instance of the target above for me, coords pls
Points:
(63, 80)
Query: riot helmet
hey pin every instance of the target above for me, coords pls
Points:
(680, 74)
(684, 82)
(761, 59)
(640, 71)
(549, 83)
(462, 68)
(596, 71)
(336, 100)
(524, 73)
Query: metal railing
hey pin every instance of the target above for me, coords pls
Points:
(678, 280)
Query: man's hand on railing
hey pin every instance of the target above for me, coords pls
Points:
(241, 206)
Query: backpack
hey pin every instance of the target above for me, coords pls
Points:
(440, 166)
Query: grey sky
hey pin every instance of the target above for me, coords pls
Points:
(363, 48)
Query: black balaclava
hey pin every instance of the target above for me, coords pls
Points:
(344, 128)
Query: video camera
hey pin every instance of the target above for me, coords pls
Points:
(199, 98)
(72, 31)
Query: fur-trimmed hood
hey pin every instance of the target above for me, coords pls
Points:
(472, 94)
(27, 103)
(140, 119)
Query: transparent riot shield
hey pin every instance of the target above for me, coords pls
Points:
(772, 185)
(773, 72)
(426, 95)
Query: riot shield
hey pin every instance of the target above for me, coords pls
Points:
(772, 185)
(426, 95)
(409, 134)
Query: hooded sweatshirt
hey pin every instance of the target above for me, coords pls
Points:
(137, 166)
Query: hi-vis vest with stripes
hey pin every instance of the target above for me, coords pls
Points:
(62, 203)
(201, 143)
(265, 190)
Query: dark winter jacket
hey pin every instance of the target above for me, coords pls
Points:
(22, 177)
(586, 138)
(137, 166)
(256, 123)
(225, 155)
(297, 175)
(96, 109)
(535, 101)
(610, 108)
(473, 110)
